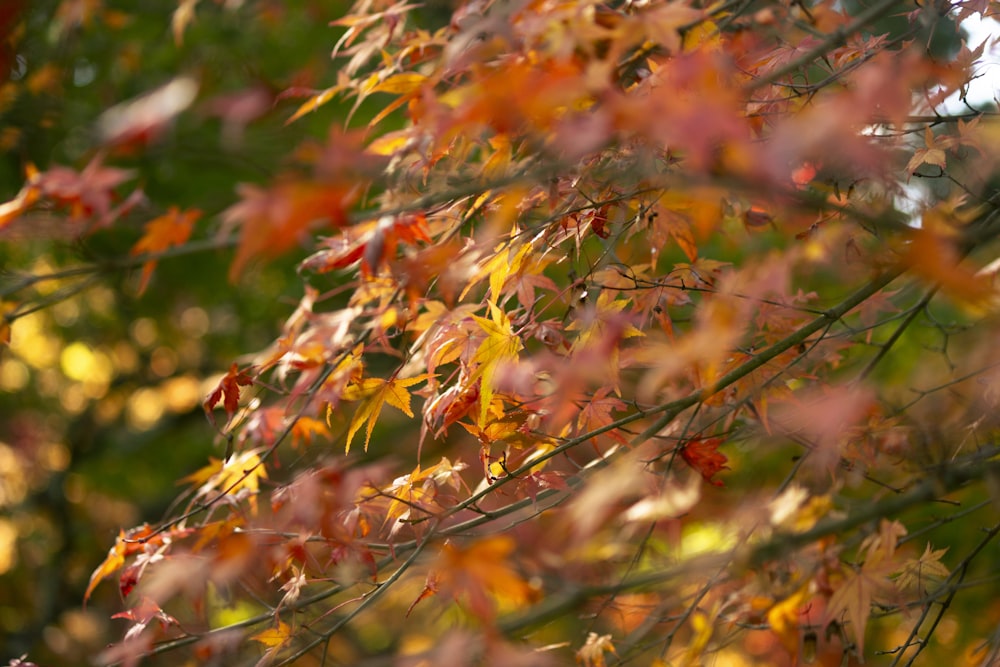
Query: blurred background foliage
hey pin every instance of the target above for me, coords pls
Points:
(101, 388)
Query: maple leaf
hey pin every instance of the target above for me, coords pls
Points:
(784, 619)
(504, 261)
(591, 654)
(128, 543)
(88, 194)
(173, 228)
(274, 637)
(306, 428)
(238, 476)
(932, 255)
(419, 490)
(372, 244)
(500, 347)
(317, 100)
(124, 545)
(145, 611)
(275, 220)
(480, 574)
(703, 456)
(228, 391)
(28, 195)
(868, 582)
(702, 271)
(596, 414)
(452, 338)
(669, 223)
(853, 599)
(535, 481)
(448, 407)
(933, 154)
(374, 393)
(916, 574)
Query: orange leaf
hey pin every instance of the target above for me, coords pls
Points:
(173, 228)
(275, 636)
(481, 574)
(278, 219)
(868, 582)
(784, 619)
(933, 256)
(9, 211)
(933, 154)
(125, 545)
(372, 244)
(703, 456)
(7, 308)
(306, 428)
(114, 560)
(89, 193)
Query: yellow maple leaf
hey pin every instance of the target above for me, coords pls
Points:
(375, 393)
(501, 346)
(273, 637)
(241, 473)
(783, 618)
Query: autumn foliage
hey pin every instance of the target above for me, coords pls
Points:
(653, 333)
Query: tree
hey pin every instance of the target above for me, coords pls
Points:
(637, 332)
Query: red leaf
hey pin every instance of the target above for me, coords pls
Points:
(88, 194)
(228, 391)
(703, 456)
(373, 244)
(128, 579)
(116, 556)
(144, 612)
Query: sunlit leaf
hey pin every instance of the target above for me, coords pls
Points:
(277, 636)
(228, 391)
(173, 228)
(275, 220)
(373, 394)
(500, 347)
